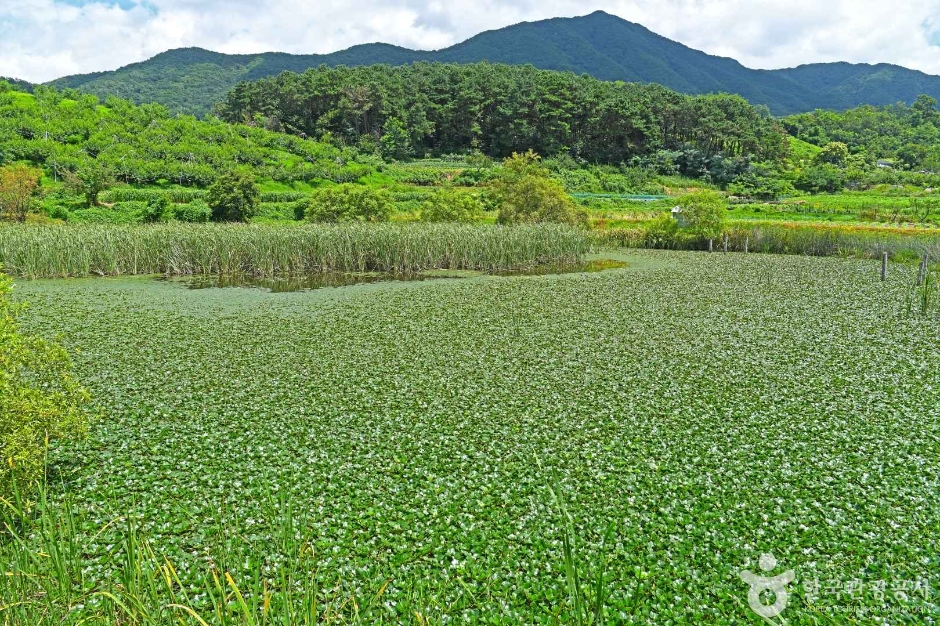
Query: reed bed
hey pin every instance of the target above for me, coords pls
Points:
(808, 240)
(41, 251)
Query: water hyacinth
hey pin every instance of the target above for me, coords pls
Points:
(495, 450)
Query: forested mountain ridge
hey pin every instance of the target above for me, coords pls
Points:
(192, 80)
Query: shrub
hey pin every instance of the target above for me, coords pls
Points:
(120, 213)
(234, 197)
(449, 205)
(58, 212)
(39, 398)
(472, 178)
(17, 184)
(349, 203)
(526, 194)
(156, 210)
(662, 232)
(704, 213)
(196, 211)
(275, 212)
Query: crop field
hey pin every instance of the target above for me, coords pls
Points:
(462, 450)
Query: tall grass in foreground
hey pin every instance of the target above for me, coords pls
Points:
(44, 556)
(37, 251)
(42, 553)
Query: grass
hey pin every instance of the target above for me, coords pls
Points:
(36, 251)
(490, 450)
(772, 237)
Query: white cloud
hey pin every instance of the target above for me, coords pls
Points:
(44, 39)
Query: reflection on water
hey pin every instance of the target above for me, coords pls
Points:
(577, 268)
(320, 280)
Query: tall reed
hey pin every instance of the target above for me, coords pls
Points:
(811, 240)
(38, 251)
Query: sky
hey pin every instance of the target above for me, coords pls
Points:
(45, 39)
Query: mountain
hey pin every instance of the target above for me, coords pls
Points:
(602, 45)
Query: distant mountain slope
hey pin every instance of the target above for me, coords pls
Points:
(605, 46)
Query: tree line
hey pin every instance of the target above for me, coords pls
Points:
(435, 108)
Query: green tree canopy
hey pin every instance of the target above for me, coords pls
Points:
(17, 184)
(234, 197)
(525, 193)
(704, 213)
(90, 178)
(834, 153)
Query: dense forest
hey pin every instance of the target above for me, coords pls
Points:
(500, 109)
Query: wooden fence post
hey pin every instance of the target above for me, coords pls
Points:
(922, 270)
(726, 244)
(710, 244)
(884, 266)
(747, 240)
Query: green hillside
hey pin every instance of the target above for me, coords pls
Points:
(192, 80)
(22, 85)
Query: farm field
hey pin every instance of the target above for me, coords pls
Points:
(409, 452)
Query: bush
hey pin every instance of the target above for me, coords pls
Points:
(234, 197)
(704, 213)
(349, 203)
(526, 194)
(156, 210)
(120, 213)
(17, 184)
(195, 212)
(448, 205)
(275, 212)
(58, 212)
(474, 177)
(39, 397)
(663, 232)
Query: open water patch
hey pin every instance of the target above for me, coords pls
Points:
(323, 280)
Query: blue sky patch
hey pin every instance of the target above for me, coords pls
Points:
(124, 4)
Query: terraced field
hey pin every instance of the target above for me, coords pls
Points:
(407, 452)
